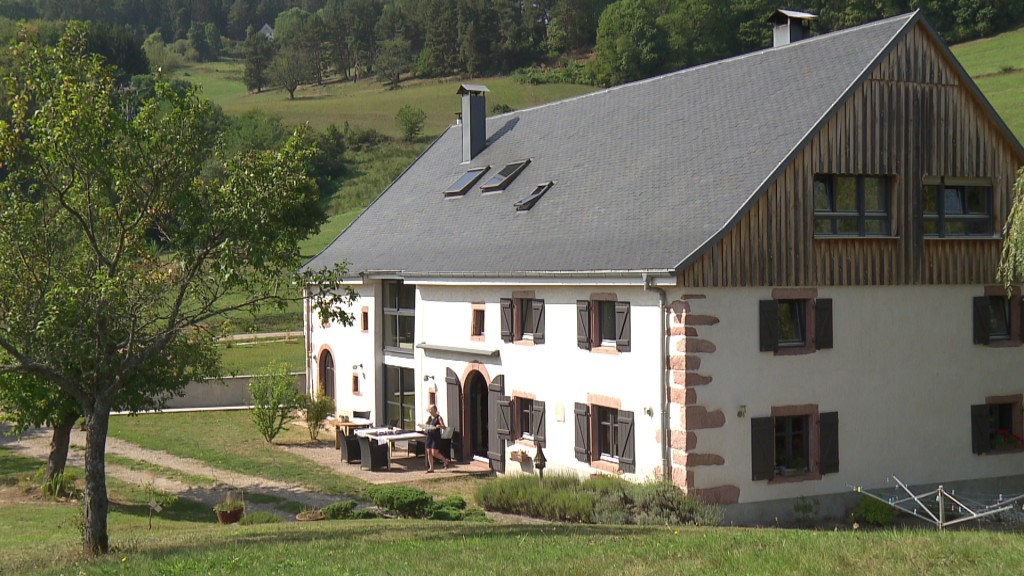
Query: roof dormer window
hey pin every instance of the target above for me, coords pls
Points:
(505, 176)
(466, 182)
(529, 201)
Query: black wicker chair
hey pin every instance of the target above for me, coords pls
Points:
(349, 445)
(373, 456)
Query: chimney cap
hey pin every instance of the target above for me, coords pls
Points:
(472, 89)
(781, 15)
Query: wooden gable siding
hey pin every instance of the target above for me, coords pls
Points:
(912, 118)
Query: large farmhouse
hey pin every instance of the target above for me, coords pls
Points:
(765, 278)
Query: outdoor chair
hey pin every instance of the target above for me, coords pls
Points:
(349, 445)
(361, 414)
(372, 456)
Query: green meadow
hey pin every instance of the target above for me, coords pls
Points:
(997, 66)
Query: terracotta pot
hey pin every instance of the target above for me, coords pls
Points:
(229, 516)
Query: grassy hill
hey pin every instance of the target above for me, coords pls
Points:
(997, 65)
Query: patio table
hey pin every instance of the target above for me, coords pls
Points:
(388, 437)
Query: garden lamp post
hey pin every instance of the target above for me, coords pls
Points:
(539, 461)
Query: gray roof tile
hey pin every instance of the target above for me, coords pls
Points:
(645, 174)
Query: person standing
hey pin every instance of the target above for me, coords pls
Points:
(434, 426)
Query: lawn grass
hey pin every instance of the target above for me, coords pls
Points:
(367, 103)
(229, 440)
(160, 471)
(997, 66)
(248, 358)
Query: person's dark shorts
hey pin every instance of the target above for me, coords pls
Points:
(433, 442)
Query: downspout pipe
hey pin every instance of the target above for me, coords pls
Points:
(666, 438)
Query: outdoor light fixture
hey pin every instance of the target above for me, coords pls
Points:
(539, 461)
(427, 377)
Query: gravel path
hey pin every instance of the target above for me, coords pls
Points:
(36, 444)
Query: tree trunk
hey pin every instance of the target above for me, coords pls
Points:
(95, 539)
(59, 444)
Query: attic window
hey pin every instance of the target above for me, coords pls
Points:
(503, 178)
(465, 182)
(529, 201)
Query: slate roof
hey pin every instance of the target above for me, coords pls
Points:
(645, 174)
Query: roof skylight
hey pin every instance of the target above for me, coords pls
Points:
(466, 181)
(505, 176)
(529, 201)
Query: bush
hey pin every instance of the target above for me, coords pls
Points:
(261, 517)
(273, 398)
(571, 73)
(445, 513)
(457, 502)
(339, 510)
(359, 139)
(364, 514)
(405, 501)
(871, 511)
(61, 485)
(410, 121)
(603, 500)
(316, 412)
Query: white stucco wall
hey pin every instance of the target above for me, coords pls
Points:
(902, 375)
(350, 347)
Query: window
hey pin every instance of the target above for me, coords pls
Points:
(952, 208)
(399, 316)
(327, 374)
(603, 323)
(851, 205)
(795, 442)
(505, 176)
(529, 201)
(794, 322)
(399, 397)
(605, 434)
(463, 184)
(522, 318)
(529, 423)
(996, 425)
(477, 326)
(364, 319)
(355, 383)
(997, 317)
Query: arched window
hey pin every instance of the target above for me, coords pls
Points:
(327, 374)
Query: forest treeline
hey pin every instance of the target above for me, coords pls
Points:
(545, 39)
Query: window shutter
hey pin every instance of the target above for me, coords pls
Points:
(583, 324)
(981, 433)
(495, 445)
(539, 428)
(622, 331)
(504, 418)
(762, 448)
(454, 400)
(581, 418)
(627, 459)
(982, 320)
(506, 319)
(538, 321)
(379, 404)
(823, 324)
(828, 440)
(769, 311)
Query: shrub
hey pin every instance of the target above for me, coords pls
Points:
(316, 412)
(871, 511)
(445, 513)
(501, 108)
(364, 514)
(339, 510)
(410, 121)
(359, 139)
(273, 398)
(452, 502)
(61, 485)
(261, 517)
(405, 501)
(660, 503)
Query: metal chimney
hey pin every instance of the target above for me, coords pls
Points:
(474, 120)
(791, 26)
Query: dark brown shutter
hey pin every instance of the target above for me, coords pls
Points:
(982, 320)
(506, 319)
(981, 432)
(823, 324)
(622, 331)
(504, 418)
(537, 417)
(583, 324)
(454, 400)
(769, 325)
(495, 445)
(538, 321)
(828, 440)
(379, 401)
(581, 418)
(627, 457)
(762, 448)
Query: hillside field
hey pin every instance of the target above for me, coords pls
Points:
(997, 66)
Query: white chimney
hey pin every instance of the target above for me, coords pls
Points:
(791, 26)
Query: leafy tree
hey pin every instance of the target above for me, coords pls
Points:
(119, 253)
(289, 68)
(160, 57)
(630, 45)
(410, 121)
(392, 60)
(259, 53)
(120, 47)
(274, 397)
(212, 34)
(1011, 264)
(199, 48)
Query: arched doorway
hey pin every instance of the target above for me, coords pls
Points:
(327, 374)
(476, 415)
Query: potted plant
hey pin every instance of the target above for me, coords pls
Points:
(230, 510)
